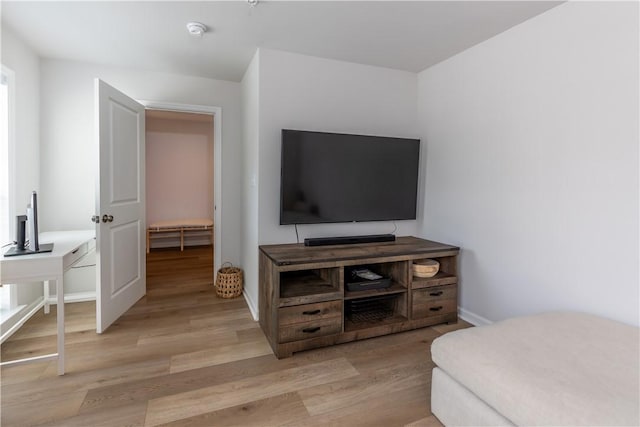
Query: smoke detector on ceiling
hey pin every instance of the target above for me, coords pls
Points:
(253, 3)
(196, 29)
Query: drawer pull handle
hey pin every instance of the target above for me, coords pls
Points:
(311, 312)
(77, 249)
(436, 294)
(311, 330)
(438, 308)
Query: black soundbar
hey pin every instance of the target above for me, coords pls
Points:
(349, 240)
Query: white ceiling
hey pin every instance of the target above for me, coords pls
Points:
(152, 35)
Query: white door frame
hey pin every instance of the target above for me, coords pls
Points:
(217, 164)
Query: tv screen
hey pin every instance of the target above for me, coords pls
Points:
(331, 177)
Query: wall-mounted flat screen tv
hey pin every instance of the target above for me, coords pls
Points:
(331, 177)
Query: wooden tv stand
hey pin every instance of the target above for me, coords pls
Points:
(304, 300)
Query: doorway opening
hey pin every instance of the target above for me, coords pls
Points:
(216, 113)
(180, 208)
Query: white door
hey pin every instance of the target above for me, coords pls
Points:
(120, 208)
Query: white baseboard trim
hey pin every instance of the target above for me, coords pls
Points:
(29, 311)
(75, 297)
(472, 318)
(252, 307)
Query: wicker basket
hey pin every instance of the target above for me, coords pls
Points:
(229, 281)
(426, 268)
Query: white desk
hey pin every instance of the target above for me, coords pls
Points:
(68, 247)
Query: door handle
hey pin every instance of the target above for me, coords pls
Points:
(95, 219)
(107, 218)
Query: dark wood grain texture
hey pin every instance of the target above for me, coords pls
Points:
(407, 247)
(310, 275)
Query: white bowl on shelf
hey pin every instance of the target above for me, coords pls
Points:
(426, 268)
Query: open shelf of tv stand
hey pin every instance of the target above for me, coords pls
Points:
(306, 286)
(304, 302)
(393, 289)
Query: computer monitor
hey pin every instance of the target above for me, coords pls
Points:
(29, 220)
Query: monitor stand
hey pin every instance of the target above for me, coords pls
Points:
(15, 251)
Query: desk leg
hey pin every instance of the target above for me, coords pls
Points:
(181, 239)
(46, 297)
(60, 310)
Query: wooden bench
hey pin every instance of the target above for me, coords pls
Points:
(179, 226)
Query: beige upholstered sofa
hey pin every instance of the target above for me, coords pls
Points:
(553, 369)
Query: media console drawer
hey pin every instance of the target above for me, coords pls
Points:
(309, 312)
(434, 301)
(306, 330)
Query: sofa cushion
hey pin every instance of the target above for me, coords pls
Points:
(549, 369)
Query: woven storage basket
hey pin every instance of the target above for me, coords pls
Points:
(229, 281)
(426, 268)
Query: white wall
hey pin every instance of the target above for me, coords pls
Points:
(250, 119)
(532, 164)
(179, 169)
(301, 92)
(309, 93)
(24, 62)
(68, 144)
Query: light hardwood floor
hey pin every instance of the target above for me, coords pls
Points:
(183, 357)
